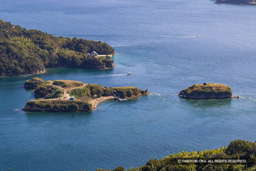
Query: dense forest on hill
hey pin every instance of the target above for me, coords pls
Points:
(238, 156)
(31, 51)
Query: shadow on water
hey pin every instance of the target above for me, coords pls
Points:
(29, 91)
(212, 103)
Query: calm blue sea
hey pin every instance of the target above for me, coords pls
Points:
(168, 45)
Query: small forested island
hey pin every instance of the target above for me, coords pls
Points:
(238, 156)
(206, 91)
(241, 2)
(68, 95)
(31, 51)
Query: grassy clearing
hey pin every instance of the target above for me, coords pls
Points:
(68, 83)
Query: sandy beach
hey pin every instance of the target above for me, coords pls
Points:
(97, 101)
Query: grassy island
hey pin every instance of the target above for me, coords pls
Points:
(240, 2)
(206, 91)
(68, 95)
(240, 155)
(31, 51)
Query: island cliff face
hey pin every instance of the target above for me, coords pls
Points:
(206, 91)
(57, 106)
(31, 51)
(68, 95)
(241, 2)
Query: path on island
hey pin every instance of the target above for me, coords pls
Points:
(93, 102)
(66, 95)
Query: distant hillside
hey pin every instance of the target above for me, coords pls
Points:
(246, 2)
(31, 51)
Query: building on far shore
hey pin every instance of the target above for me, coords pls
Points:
(94, 54)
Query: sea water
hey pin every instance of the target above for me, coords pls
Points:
(168, 45)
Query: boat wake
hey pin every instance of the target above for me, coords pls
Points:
(158, 94)
(248, 98)
(155, 94)
(121, 45)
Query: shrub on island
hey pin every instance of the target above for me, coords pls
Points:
(94, 90)
(33, 83)
(48, 92)
(126, 92)
(206, 91)
(90, 90)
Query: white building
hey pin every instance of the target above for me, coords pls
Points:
(95, 54)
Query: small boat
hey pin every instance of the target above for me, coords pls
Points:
(129, 73)
(121, 100)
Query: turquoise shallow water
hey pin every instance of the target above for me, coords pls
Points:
(167, 45)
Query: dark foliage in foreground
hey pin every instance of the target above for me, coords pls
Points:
(236, 150)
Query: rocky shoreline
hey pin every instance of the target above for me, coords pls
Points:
(33, 73)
